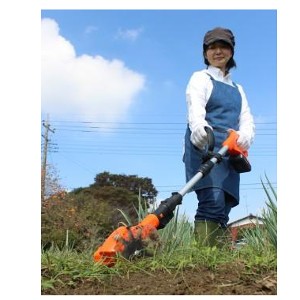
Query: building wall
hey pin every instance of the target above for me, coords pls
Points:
(235, 228)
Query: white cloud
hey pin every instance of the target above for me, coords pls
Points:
(90, 29)
(84, 85)
(129, 34)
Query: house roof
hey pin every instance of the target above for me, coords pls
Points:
(246, 220)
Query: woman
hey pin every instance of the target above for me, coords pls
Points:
(214, 100)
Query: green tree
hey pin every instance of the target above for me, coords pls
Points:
(138, 185)
(88, 215)
(85, 216)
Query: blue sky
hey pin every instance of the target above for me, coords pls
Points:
(165, 53)
(113, 85)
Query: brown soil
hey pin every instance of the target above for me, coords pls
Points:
(226, 280)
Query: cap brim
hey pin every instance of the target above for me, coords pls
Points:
(219, 40)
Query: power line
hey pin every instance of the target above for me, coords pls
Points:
(138, 123)
(159, 139)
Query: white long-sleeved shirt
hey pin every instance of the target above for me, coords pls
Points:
(198, 92)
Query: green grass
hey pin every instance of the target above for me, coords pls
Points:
(175, 250)
(264, 237)
(66, 267)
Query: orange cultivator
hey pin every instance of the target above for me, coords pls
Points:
(126, 240)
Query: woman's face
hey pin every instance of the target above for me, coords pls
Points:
(218, 54)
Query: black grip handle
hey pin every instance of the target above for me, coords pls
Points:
(210, 138)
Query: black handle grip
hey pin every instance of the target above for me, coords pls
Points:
(210, 138)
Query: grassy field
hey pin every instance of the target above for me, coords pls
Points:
(172, 264)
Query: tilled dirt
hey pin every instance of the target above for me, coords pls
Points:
(226, 280)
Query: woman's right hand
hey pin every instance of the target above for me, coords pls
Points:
(199, 137)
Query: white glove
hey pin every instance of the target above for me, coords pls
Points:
(243, 141)
(199, 137)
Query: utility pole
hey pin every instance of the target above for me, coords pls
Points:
(44, 159)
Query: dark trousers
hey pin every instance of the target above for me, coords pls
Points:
(213, 204)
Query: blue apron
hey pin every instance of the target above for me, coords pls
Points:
(222, 112)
